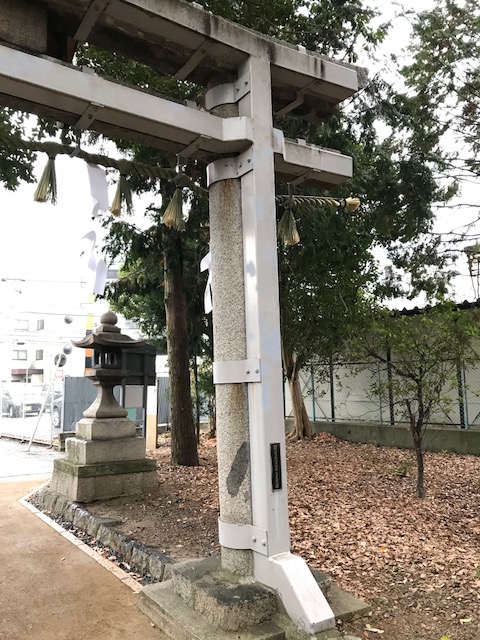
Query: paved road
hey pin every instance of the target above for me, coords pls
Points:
(16, 463)
(23, 428)
(49, 588)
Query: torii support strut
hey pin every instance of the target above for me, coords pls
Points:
(253, 526)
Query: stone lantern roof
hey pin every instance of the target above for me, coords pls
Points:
(107, 335)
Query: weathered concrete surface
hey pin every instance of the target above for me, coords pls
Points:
(100, 465)
(229, 331)
(203, 601)
(452, 439)
(223, 599)
(180, 622)
(102, 481)
(24, 24)
(106, 429)
(50, 589)
(142, 558)
(81, 451)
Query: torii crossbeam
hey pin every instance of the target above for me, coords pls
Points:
(255, 77)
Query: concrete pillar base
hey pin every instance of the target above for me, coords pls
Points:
(203, 602)
(103, 481)
(105, 460)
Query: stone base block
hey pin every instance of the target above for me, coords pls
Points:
(84, 452)
(203, 602)
(103, 481)
(180, 622)
(105, 428)
(221, 597)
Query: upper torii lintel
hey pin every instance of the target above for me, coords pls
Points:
(183, 40)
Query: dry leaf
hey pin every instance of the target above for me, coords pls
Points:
(373, 629)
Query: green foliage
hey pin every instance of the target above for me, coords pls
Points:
(403, 469)
(445, 75)
(15, 166)
(421, 353)
(139, 292)
(426, 349)
(325, 277)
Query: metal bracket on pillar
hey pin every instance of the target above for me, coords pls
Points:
(228, 93)
(237, 371)
(94, 11)
(227, 168)
(88, 116)
(195, 59)
(243, 536)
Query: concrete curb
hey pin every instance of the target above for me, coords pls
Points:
(143, 559)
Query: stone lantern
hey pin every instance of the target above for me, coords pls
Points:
(107, 343)
(105, 459)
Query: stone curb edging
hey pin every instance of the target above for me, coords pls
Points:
(144, 559)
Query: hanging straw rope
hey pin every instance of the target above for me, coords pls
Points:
(47, 186)
(126, 167)
(350, 204)
(287, 226)
(173, 216)
(123, 196)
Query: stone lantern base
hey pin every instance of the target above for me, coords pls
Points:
(104, 460)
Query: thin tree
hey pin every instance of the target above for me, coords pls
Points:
(426, 349)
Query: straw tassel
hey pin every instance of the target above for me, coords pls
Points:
(123, 196)
(287, 228)
(47, 185)
(173, 216)
(351, 204)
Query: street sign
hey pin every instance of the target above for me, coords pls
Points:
(60, 360)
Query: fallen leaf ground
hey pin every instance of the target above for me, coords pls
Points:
(354, 515)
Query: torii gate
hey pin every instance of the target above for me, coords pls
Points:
(245, 153)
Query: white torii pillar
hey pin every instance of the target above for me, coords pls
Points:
(253, 527)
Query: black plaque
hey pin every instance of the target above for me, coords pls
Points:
(276, 466)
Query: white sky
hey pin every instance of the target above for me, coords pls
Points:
(40, 243)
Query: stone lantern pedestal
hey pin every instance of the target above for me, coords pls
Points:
(105, 459)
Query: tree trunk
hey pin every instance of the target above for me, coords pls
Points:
(302, 425)
(184, 444)
(212, 418)
(197, 398)
(417, 441)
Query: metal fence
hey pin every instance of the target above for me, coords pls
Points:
(350, 392)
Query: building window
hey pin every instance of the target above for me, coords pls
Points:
(131, 324)
(40, 325)
(20, 325)
(39, 354)
(112, 273)
(19, 355)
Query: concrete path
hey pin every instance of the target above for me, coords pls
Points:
(51, 590)
(17, 462)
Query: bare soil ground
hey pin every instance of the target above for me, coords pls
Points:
(354, 515)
